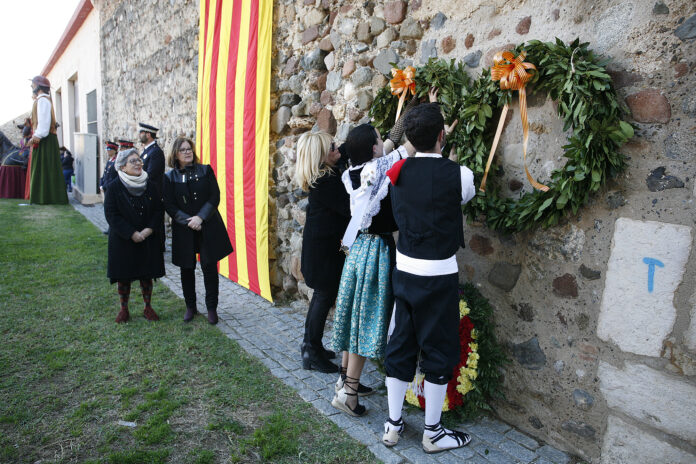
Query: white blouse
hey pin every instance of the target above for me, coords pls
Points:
(43, 116)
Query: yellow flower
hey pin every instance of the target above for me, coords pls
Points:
(463, 309)
(412, 398)
(473, 346)
(474, 334)
(473, 356)
(472, 364)
(465, 386)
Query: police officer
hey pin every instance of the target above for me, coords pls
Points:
(124, 144)
(153, 156)
(109, 170)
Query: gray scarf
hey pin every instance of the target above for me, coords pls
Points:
(134, 184)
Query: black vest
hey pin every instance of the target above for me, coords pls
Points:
(427, 205)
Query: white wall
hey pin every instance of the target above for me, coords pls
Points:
(80, 58)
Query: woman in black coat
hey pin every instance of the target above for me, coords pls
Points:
(191, 198)
(318, 170)
(134, 213)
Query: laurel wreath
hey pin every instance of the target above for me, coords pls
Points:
(576, 79)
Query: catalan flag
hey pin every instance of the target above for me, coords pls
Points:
(232, 127)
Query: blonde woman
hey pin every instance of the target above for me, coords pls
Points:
(318, 171)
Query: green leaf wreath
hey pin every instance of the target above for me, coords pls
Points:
(577, 80)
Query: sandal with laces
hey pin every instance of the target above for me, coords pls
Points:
(363, 390)
(340, 400)
(392, 432)
(430, 445)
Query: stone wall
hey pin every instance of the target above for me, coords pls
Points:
(9, 128)
(149, 57)
(598, 314)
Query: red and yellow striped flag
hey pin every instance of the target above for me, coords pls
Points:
(232, 127)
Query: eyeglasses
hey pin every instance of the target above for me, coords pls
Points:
(135, 161)
(185, 150)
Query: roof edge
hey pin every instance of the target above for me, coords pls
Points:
(78, 18)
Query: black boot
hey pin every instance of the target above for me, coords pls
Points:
(190, 312)
(311, 360)
(328, 354)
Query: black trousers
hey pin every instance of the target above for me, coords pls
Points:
(211, 280)
(426, 320)
(322, 301)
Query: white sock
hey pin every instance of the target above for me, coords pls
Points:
(434, 399)
(396, 392)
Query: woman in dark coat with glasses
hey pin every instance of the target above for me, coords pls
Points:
(134, 212)
(191, 198)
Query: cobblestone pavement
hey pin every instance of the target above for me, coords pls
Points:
(273, 335)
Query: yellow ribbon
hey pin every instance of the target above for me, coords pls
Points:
(402, 83)
(512, 74)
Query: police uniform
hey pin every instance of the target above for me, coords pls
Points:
(153, 158)
(109, 169)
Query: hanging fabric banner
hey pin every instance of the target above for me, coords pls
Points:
(232, 127)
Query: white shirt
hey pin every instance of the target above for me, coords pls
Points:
(43, 116)
(468, 189)
(435, 267)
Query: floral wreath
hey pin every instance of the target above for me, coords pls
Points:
(575, 78)
(476, 378)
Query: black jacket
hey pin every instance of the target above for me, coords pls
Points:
(109, 174)
(153, 163)
(328, 214)
(66, 160)
(126, 214)
(194, 191)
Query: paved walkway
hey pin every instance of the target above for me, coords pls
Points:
(273, 335)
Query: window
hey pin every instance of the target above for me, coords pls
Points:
(92, 112)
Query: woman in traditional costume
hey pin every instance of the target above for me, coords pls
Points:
(318, 171)
(47, 183)
(191, 198)
(365, 298)
(133, 210)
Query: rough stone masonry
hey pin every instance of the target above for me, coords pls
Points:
(597, 314)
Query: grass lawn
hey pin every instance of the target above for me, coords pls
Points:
(69, 373)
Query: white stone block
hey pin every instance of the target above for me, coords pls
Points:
(650, 396)
(624, 443)
(690, 335)
(645, 268)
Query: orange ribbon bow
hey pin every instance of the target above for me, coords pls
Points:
(403, 82)
(512, 74)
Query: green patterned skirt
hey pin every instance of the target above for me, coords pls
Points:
(365, 298)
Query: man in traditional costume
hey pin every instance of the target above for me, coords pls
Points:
(47, 183)
(427, 193)
(153, 156)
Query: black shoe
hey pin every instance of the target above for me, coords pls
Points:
(328, 354)
(190, 312)
(312, 361)
(212, 316)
